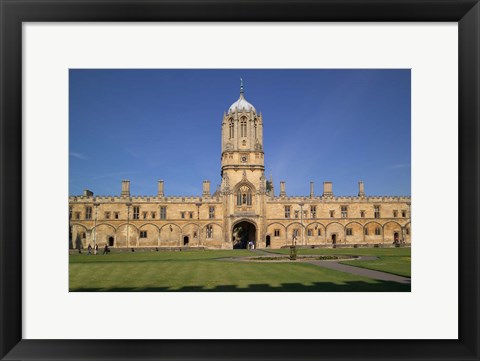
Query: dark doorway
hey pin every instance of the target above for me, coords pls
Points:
(185, 241)
(243, 233)
(110, 241)
(268, 241)
(395, 238)
(334, 238)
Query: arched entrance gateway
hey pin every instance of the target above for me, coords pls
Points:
(243, 233)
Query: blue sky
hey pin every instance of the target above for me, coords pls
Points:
(319, 125)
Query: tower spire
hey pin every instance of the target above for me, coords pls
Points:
(241, 86)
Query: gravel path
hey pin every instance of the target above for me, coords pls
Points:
(337, 266)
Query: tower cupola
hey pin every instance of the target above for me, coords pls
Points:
(241, 104)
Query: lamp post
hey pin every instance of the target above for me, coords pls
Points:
(301, 222)
(128, 221)
(95, 228)
(198, 222)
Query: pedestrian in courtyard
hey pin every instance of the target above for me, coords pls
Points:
(89, 248)
(95, 249)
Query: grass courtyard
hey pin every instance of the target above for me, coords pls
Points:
(214, 270)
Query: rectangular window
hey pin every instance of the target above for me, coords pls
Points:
(305, 213)
(107, 215)
(163, 212)
(366, 231)
(332, 214)
(319, 232)
(153, 215)
(295, 233)
(116, 215)
(190, 214)
(182, 215)
(77, 215)
(309, 232)
(287, 211)
(296, 214)
(313, 211)
(362, 214)
(344, 211)
(144, 215)
(395, 214)
(143, 234)
(349, 232)
(136, 212)
(211, 212)
(276, 233)
(404, 214)
(377, 231)
(376, 211)
(407, 231)
(88, 213)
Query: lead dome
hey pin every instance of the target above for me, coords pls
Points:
(241, 103)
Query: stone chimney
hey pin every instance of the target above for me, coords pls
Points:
(206, 188)
(125, 188)
(312, 193)
(283, 193)
(161, 189)
(87, 193)
(361, 189)
(327, 189)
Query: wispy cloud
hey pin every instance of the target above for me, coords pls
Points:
(79, 155)
(397, 166)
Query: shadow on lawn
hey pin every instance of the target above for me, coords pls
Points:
(354, 286)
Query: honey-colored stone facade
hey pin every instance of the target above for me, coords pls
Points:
(244, 209)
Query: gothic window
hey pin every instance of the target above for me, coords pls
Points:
(88, 213)
(296, 214)
(366, 231)
(244, 196)
(376, 211)
(313, 211)
(77, 215)
(144, 215)
(395, 214)
(243, 128)
(344, 211)
(332, 214)
(309, 232)
(182, 215)
(378, 231)
(190, 214)
(163, 212)
(107, 215)
(143, 234)
(209, 231)
(404, 214)
(287, 211)
(153, 214)
(349, 232)
(362, 214)
(116, 215)
(276, 233)
(319, 232)
(211, 212)
(231, 129)
(136, 211)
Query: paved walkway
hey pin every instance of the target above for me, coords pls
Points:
(337, 266)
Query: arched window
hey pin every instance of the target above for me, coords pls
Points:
(209, 231)
(244, 196)
(231, 132)
(243, 128)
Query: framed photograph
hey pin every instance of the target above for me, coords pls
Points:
(114, 112)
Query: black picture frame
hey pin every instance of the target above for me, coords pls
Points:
(14, 12)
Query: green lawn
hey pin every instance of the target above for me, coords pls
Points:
(392, 260)
(203, 271)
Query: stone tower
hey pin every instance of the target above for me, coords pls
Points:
(243, 178)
